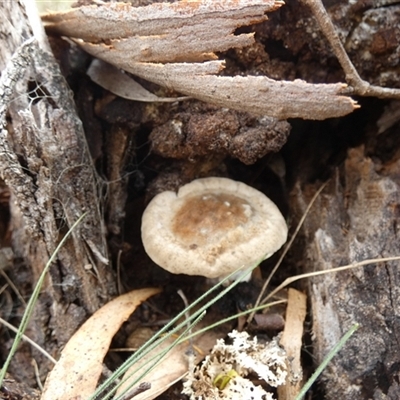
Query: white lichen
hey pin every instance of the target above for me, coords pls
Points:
(224, 373)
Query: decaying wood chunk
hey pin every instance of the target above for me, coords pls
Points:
(356, 218)
(200, 129)
(163, 32)
(165, 43)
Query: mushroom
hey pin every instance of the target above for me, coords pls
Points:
(212, 227)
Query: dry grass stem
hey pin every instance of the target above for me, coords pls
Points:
(30, 341)
(285, 250)
(295, 278)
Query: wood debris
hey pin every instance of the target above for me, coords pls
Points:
(175, 45)
(292, 341)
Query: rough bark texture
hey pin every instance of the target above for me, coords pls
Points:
(356, 218)
(47, 167)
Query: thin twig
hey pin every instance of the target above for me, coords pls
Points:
(359, 86)
(37, 374)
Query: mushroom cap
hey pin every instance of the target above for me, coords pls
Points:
(211, 227)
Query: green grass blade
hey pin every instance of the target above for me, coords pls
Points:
(156, 340)
(326, 361)
(154, 361)
(32, 301)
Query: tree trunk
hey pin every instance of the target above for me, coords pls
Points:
(47, 167)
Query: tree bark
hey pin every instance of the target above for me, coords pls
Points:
(356, 218)
(47, 167)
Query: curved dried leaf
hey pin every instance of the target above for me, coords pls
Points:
(122, 85)
(175, 365)
(81, 362)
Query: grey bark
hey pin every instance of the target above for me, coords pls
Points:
(46, 164)
(356, 218)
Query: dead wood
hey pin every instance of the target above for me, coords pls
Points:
(137, 45)
(355, 218)
(48, 169)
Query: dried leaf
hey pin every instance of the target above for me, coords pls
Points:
(115, 81)
(153, 42)
(81, 362)
(168, 372)
(175, 365)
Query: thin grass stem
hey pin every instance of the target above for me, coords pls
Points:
(28, 340)
(156, 340)
(326, 361)
(32, 301)
(285, 250)
(292, 279)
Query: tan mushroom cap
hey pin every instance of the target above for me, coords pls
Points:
(211, 227)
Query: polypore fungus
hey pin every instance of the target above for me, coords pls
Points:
(211, 227)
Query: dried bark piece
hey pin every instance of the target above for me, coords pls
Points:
(189, 30)
(140, 40)
(52, 182)
(79, 368)
(291, 341)
(11, 171)
(254, 94)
